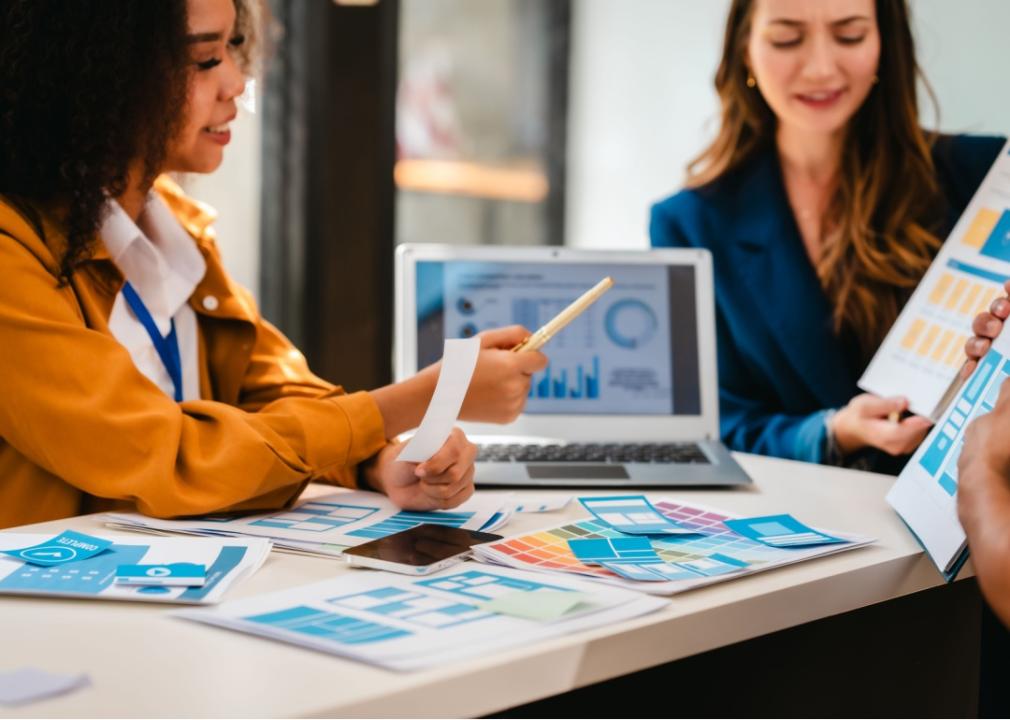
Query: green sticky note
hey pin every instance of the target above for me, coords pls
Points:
(540, 605)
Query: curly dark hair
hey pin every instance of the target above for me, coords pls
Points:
(87, 89)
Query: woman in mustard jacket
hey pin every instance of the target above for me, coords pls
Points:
(133, 370)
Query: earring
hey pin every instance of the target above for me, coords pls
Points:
(751, 82)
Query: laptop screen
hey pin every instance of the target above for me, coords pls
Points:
(633, 352)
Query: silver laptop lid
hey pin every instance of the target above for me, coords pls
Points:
(644, 353)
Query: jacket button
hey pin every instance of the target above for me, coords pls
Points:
(210, 303)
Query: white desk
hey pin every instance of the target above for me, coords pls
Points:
(142, 662)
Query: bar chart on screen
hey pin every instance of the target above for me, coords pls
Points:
(924, 350)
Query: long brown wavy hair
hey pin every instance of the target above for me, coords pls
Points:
(887, 206)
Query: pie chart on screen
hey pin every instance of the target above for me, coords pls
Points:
(630, 323)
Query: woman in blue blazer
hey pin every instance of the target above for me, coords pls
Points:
(823, 202)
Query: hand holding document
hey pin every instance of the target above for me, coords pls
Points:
(924, 351)
(458, 362)
(925, 494)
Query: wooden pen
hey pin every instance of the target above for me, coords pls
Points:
(549, 330)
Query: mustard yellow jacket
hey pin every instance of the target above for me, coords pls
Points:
(81, 429)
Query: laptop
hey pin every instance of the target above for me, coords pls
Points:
(630, 397)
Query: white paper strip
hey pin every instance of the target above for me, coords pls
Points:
(459, 358)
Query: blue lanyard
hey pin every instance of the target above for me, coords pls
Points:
(167, 346)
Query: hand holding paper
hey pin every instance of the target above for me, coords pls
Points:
(443, 481)
(501, 380)
(458, 362)
(985, 327)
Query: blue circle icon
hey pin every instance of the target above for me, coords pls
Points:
(630, 323)
(465, 307)
(49, 553)
(468, 330)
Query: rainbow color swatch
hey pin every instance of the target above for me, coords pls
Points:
(548, 550)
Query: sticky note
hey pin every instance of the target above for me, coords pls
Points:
(169, 574)
(714, 564)
(541, 605)
(68, 546)
(614, 550)
(780, 531)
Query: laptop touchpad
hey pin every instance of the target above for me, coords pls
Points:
(558, 471)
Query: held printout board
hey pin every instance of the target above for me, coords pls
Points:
(925, 494)
(924, 350)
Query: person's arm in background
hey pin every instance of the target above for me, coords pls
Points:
(983, 501)
(751, 418)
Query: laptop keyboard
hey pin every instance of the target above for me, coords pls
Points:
(659, 453)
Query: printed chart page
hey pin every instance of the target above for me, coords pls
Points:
(406, 623)
(925, 494)
(925, 348)
(327, 524)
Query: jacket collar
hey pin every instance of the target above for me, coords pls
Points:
(216, 295)
(773, 264)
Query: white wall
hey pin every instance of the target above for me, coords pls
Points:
(642, 103)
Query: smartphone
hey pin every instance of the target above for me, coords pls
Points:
(420, 550)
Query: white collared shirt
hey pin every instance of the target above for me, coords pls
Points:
(164, 266)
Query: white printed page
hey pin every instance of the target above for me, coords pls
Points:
(407, 623)
(924, 350)
(925, 494)
(341, 518)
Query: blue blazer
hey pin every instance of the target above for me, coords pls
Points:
(781, 366)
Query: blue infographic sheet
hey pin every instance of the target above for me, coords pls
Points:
(632, 515)
(925, 494)
(328, 523)
(781, 531)
(404, 623)
(226, 562)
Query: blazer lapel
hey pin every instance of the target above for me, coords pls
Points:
(787, 294)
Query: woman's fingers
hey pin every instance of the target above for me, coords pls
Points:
(456, 450)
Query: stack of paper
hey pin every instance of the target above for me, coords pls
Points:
(664, 547)
(326, 525)
(403, 623)
(53, 569)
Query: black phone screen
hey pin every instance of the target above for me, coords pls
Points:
(422, 544)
